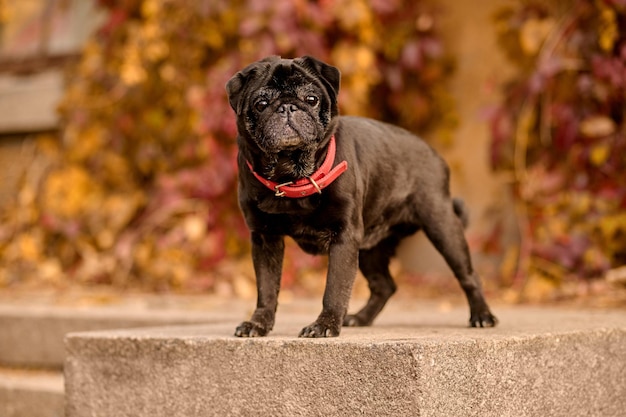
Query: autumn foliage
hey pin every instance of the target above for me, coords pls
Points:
(140, 186)
(561, 134)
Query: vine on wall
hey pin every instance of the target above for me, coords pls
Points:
(561, 134)
(140, 189)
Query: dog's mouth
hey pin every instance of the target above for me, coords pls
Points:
(290, 142)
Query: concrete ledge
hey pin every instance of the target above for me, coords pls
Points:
(33, 336)
(539, 362)
(31, 393)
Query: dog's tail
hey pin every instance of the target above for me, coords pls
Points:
(461, 211)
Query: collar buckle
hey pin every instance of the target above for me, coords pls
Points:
(278, 191)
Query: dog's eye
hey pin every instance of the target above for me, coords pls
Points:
(261, 105)
(311, 100)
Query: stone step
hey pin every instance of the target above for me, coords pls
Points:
(31, 393)
(32, 332)
(32, 336)
(415, 361)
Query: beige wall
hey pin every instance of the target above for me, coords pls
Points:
(481, 68)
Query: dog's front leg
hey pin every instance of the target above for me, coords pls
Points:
(267, 255)
(342, 266)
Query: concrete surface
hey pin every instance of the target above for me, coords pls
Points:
(417, 361)
(27, 393)
(32, 336)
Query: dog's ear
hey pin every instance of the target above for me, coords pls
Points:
(235, 86)
(233, 89)
(329, 74)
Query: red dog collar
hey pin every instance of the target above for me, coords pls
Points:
(305, 187)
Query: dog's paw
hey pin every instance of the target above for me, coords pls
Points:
(250, 329)
(483, 319)
(318, 329)
(353, 320)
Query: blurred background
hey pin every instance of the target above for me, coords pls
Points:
(117, 143)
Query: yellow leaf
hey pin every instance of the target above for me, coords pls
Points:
(132, 71)
(608, 31)
(85, 144)
(29, 247)
(116, 168)
(150, 8)
(599, 154)
(354, 14)
(214, 37)
(610, 225)
(533, 33)
(156, 50)
(581, 203)
(69, 191)
(105, 239)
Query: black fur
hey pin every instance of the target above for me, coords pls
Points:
(395, 185)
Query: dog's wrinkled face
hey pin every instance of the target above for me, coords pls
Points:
(284, 104)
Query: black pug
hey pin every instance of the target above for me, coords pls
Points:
(349, 187)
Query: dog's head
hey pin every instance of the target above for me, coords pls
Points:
(285, 104)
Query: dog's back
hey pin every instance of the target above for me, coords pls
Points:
(399, 178)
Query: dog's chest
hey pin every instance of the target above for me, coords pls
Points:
(304, 220)
(312, 233)
(315, 241)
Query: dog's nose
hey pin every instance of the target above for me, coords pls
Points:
(287, 108)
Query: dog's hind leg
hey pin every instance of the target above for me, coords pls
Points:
(374, 264)
(444, 227)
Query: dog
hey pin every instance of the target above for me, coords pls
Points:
(348, 187)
